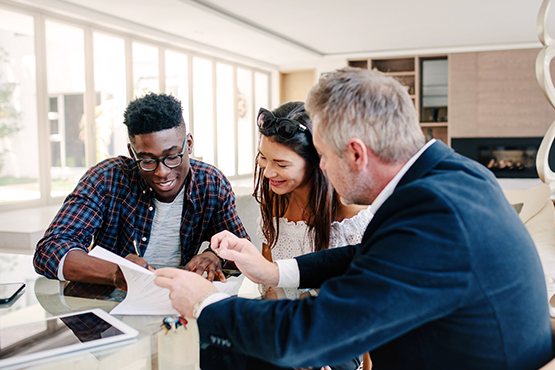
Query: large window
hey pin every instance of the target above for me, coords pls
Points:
(64, 87)
(145, 69)
(19, 149)
(225, 119)
(203, 110)
(65, 66)
(109, 95)
(177, 79)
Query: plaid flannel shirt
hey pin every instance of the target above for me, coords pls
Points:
(112, 205)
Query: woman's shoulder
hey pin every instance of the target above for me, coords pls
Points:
(349, 230)
(350, 211)
(353, 216)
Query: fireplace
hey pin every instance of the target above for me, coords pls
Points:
(505, 157)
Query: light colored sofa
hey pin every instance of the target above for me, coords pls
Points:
(248, 211)
(535, 209)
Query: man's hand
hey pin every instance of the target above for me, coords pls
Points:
(209, 262)
(186, 288)
(118, 278)
(81, 267)
(138, 260)
(247, 258)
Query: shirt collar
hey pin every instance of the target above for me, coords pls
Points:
(390, 187)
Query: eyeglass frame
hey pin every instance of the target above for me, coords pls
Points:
(272, 127)
(158, 160)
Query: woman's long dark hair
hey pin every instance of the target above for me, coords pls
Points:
(322, 200)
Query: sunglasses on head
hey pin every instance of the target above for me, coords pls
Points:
(285, 128)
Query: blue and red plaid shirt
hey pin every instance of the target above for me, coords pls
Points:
(113, 205)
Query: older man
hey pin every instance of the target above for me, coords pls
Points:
(446, 276)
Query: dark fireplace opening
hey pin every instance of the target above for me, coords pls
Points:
(505, 157)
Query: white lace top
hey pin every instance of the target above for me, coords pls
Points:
(294, 239)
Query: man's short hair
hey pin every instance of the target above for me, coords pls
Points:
(152, 113)
(366, 104)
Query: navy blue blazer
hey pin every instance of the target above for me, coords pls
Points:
(446, 276)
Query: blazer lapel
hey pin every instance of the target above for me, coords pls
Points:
(436, 153)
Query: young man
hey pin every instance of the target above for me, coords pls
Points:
(158, 200)
(446, 275)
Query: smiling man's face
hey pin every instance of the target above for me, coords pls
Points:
(166, 182)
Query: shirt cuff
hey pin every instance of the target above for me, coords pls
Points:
(212, 298)
(289, 275)
(60, 272)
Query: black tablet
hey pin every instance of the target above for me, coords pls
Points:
(58, 335)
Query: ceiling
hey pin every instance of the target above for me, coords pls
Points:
(287, 34)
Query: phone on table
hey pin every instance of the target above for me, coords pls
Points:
(8, 291)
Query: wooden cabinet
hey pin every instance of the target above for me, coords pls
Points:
(408, 71)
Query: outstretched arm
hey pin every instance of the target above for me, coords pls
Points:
(186, 288)
(247, 258)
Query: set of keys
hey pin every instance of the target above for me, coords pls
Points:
(173, 322)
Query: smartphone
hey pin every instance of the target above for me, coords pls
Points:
(8, 291)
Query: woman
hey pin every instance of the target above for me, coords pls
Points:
(300, 211)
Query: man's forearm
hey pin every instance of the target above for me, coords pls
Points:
(79, 266)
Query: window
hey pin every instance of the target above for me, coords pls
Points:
(245, 121)
(19, 149)
(177, 79)
(61, 111)
(145, 69)
(65, 71)
(225, 119)
(203, 110)
(110, 96)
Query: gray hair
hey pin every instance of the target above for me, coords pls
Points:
(366, 104)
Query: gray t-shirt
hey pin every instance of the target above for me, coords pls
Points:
(164, 247)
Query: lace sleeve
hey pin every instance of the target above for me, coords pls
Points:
(350, 230)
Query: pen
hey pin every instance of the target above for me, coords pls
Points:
(136, 249)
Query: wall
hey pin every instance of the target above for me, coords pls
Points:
(294, 85)
(496, 94)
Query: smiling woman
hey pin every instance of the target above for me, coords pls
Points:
(300, 210)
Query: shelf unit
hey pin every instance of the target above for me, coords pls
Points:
(407, 70)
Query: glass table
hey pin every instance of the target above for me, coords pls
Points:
(153, 348)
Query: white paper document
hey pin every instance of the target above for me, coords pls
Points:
(143, 296)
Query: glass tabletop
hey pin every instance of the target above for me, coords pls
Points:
(42, 298)
(154, 348)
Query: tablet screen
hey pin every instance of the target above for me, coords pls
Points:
(59, 335)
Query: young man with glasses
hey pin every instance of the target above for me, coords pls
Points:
(154, 208)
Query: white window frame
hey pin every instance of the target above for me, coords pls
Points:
(40, 17)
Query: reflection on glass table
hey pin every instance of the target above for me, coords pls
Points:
(153, 348)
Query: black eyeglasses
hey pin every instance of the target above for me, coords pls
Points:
(285, 128)
(151, 164)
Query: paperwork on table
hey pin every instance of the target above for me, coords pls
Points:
(143, 296)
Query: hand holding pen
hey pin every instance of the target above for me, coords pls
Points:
(136, 258)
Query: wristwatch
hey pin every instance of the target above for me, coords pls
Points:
(213, 251)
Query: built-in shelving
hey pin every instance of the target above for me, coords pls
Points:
(408, 71)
